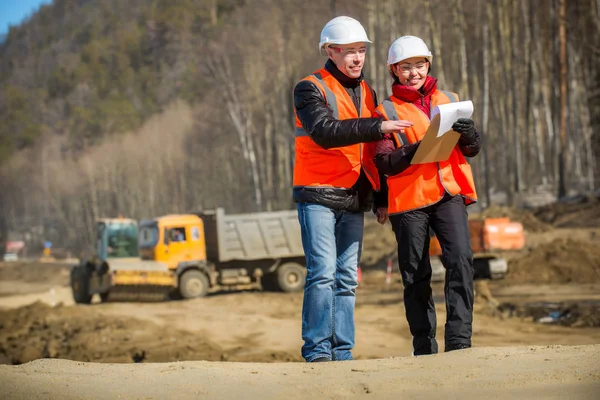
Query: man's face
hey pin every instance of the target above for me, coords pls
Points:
(348, 58)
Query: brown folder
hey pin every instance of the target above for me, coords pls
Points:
(433, 148)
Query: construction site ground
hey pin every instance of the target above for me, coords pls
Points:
(550, 297)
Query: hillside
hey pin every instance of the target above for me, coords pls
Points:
(86, 68)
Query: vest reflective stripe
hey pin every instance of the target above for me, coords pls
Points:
(300, 132)
(452, 97)
(338, 167)
(422, 185)
(390, 111)
(392, 115)
(329, 96)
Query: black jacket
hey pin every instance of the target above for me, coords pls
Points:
(328, 132)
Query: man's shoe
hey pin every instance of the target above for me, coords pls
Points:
(459, 346)
(321, 359)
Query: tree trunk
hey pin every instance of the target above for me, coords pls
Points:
(580, 103)
(486, 107)
(221, 71)
(333, 8)
(435, 42)
(373, 71)
(516, 72)
(562, 60)
(531, 37)
(460, 29)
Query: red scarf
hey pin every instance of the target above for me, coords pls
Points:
(420, 98)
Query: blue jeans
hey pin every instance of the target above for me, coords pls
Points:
(332, 242)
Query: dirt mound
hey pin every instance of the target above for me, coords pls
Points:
(577, 212)
(530, 222)
(51, 274)
(560, 261)
(83, 334)
(86, 334)
(582, 212)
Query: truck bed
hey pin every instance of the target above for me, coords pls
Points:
(253, 236)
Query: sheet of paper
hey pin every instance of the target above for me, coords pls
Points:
(450, 112)
(440, 140)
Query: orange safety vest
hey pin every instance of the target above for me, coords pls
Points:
(421, 185)
(337, 167)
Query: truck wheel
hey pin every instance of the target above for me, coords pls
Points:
(80, 284)
(269, 282)
(489, 268)
(192, 284)
(291, 277)
(174, 294)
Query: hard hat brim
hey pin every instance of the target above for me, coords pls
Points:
(428, 57)
(323, 45)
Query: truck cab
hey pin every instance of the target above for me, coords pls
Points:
(173, 239)
(178, 242)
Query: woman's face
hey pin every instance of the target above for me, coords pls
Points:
(412, 71)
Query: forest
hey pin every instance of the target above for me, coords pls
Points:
(144, 108)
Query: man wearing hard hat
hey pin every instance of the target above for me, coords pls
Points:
(334, 177)
(431, 195)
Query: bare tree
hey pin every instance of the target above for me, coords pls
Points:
(460, 31)
(486, 105)
(221, 70)
(562, 59)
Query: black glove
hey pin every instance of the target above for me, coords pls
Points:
(466, 128)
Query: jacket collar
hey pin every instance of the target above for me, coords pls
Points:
(410, 95)
(342, 78)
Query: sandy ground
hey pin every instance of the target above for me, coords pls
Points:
(492, 373)
(177, 349)
(265, 327)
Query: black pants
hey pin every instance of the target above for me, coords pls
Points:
(448, 219)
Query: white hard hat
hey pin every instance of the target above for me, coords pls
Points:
(343, 30)
(407, 47)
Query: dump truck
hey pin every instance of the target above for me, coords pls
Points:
(214, 250)
(115, 269)
(489, 238)
(187, 255)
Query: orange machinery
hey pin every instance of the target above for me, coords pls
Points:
(488, 237)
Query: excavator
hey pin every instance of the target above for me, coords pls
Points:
(490, 237)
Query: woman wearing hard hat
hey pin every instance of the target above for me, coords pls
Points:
(334, 178)
(431, 195)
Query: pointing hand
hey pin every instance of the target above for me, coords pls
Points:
(395, 126)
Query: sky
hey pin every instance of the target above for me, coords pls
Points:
(12, 12)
